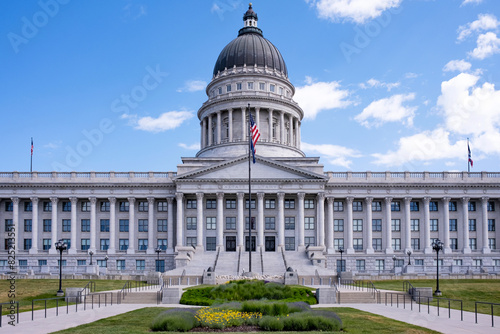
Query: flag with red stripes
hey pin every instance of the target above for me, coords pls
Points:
(255, 136)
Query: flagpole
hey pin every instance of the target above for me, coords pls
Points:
(468, 156)
(31, 160)
(249, 193)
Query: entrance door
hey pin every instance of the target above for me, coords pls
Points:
(230, 244)
(270, 244)
(247, 247)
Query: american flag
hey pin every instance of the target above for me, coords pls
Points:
(31, 146)
(255, 136)
(470, 156)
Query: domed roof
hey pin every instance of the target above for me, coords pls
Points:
(250, 48)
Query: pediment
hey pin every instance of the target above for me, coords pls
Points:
(263, 169)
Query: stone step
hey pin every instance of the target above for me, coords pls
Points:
(357, 298)
(140, 298)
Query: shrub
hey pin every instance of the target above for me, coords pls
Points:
(312, 321)
(269, 323)
(174, 321)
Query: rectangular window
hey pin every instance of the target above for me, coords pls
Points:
(473, 243)
(452, 206)
(357, 225)
(85, 206)
(27, 244)
(309, 223)
(123, 225)
(338, 243)
(120, 264)
(66, 206)
(162, 244)
(220, 90)
(338, 225)
(380, 265)
(230, 204)
(289, 204)
(338, 206)
(105, 206)
(433, 206)
(414, 206)
(250, 85)
(262, 86)
(124, 206)
(191, 241)
(357, 206)
(395, 225)
(143, 206)
(491, 225)
(47, 244)
(142, 225)
(191, 204)
(289, 243)
(491, 206)
(377, 244)
(211, 223)
(415, 225)
(191, 223)
(162, 206)
(270, 204)
(143, 244)
(28, 206)
(211, 244)
(270, 223)
(358, 244)
(281, 90)
(253, 223)
(140, 265)
(9, 206)
(419, 262)
(104, 225)
(66, 225)
(472, 224)
(238, 86)
(453, 225)
(211, 204)
(47, 225)
(27, 225)
(434, 225)
(67, 242)
(376, 206)
(289, 223)
(9, 225)
(309, 241)
(396, 244)
(253, 204)
(123, 244)
(492, 243)
(458, 262)
(228, 88)
(162, 225)
(308, 204)
(454, 243)
(104, 244)
(24, 263)
(415, 243)
(360, 265)
(272, 88)
(472, 206)
(230, 223)
(47, 206)
(478, 262)
(84, 244)
(395, 206)
(81, 262)
(376, 225)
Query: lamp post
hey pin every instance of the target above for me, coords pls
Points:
(61, 247)
(91, 253)
(106, 259)
(437, 245)
(341, 250)
(394, 263)
(409, 254)
(158, 251)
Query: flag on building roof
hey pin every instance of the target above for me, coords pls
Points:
(470, 155)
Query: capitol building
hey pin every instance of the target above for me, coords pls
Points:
(302, 216)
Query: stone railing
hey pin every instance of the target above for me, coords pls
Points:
(414, 176)
(85, 176)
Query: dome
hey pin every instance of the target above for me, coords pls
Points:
(250, 48)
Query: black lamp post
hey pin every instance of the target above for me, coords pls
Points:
(158, 251)
(106, 259)
(61, 247)
(409, 254)
(341, 250)
(394, 263)
(91, 253)
(437, 245)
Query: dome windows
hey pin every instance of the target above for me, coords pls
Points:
(250, 85)
(238, 86)
(262, 86)
(228, 88)
(272, 88)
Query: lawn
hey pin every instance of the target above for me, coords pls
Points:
(139, 321)
(29, 289)
(467, 290)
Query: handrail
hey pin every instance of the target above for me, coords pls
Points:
(408, 287)
(90, 286)
(284, 259)
(492, 317)
(428, 302)
(239, 260)
(376, 292)
(261, 262)
(216, 258)
(10, 307)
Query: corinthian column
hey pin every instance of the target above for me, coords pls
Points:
(369, 229)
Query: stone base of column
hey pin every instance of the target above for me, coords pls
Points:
(447, 250)
(170, 251)
(369, 251)
(389, 251)
(350, 251)
(486, 250)
(428, 250)
(33, 251)
(301, 248)
(200, 248)
(150, 251)
(111, 251)
(330, 251)
(70, 251)
(130, 251)
(466, 250)
(53, 250)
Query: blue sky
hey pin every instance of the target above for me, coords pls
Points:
(115, 85)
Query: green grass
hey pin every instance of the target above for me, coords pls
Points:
(467, 290)
(29, 289)
(354, 321)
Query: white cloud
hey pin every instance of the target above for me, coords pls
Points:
(390, 109)
(457, 65)
(484, 22)
(53, 145)
(334, 154)
(374, 83)
(193, 86)
(192, 147)
(411, 75)
(423, 147)
(166, 121)
(134, 11)
(487, 45)
(315, 97)
(358, 11)
(476, 2)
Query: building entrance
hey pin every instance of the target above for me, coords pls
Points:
(247, 246)
(230, 244)
(270, 244)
